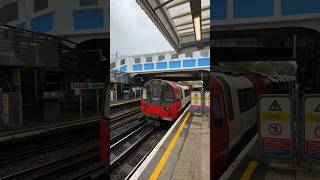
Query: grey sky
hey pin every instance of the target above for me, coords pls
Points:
(131, 30)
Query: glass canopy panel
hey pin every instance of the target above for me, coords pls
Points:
(191, 30)
(205, 4)
(183, 20)
(180, 9)
(205, 14)
(175, 3)
(184, 27)
(205, 27)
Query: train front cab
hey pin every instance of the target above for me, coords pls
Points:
(162, 100)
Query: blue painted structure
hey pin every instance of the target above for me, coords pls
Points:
(137, 67)
(252, 8)
(189, 63)
(149, 66)
(174, 64)
(88, 19)
(123, 68)
(162, 65)
(43, 23)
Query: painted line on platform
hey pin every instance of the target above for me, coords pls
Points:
(232, 167)
(168, 151)
(249, 171)
(155, 150)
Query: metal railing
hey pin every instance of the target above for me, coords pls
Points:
(20, 47)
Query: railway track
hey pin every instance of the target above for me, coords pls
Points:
(131, 139)
(116, 108)
(10, 154)
(123, 147)
(29, 159)
(67, 152)
(127, 154)
(60, 167)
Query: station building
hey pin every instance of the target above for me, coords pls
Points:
(45, 46)
(161, 61)
(77, 20)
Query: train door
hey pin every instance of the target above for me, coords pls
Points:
(234, 123)
(219, 138)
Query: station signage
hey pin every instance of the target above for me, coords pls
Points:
(75, 86)
(275, 125)
(311, 116)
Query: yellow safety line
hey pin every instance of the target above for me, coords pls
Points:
(251, 167)
(165, 156)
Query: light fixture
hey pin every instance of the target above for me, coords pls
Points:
(197, 27)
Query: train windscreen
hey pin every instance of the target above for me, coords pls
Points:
(158, 93)
(167, 94)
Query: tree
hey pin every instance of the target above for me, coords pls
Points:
(267, 67)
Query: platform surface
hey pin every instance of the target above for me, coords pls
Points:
(182, 153)
(252, 166)
(190, 157)
(194, 158)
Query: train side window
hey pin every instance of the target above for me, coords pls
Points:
(217, 111)
(228, 98)
(186, 92)
(251, 97)
(242, 103)
(179, 94)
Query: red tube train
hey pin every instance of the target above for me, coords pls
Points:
(233, 99)
(164, 100)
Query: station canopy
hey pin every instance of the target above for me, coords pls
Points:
(184, 23)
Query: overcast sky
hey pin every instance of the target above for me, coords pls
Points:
(131, 30)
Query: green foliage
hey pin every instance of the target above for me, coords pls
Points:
(271, 68)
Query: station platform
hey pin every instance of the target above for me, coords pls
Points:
(183, 153)
(250, 165)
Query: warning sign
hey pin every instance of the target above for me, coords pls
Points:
(275, 129)
(196, 100)
(275, 106)
(311, 111)
(275, 125)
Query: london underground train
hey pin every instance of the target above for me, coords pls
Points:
(164, 100)
(233, 102)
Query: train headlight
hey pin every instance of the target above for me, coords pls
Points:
(167, 108)
(167, 119)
